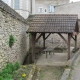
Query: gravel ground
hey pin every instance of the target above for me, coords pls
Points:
(50, 73)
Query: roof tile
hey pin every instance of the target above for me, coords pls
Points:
(52, 23)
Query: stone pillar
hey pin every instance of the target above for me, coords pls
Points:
(33, 6)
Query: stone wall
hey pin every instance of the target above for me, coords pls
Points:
(12, 23)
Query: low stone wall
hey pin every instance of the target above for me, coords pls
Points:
(12, 23)
(54, 40)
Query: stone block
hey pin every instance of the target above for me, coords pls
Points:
(1, 14)
(1, 60)
(3, 55)
(0, 44)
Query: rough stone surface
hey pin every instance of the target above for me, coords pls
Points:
(9, 10)
(12, 23)
(55, 40)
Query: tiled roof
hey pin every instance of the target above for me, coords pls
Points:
(64, 23)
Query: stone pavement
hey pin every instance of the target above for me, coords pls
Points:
(75, 73)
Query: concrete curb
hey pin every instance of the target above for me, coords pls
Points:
(69, 64)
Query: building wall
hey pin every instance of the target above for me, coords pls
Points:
(46, 3)
(24, 9)
(12, 23)
(71, 8)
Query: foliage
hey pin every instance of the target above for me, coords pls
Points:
(11, 40)
(16, 66)
(8, 71)
(15, 72)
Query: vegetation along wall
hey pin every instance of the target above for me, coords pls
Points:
(13, 37)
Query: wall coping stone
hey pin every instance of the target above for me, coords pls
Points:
(11, 11)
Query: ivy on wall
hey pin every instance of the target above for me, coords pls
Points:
(11, 41)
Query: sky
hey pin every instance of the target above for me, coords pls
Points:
(7, 1)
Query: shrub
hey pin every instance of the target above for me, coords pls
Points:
(16, 66)
(8, 71)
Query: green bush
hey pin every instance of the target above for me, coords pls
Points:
(1, 78)
(8, 72)
(16, 66)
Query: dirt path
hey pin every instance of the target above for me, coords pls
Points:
(75, 73)
(50, 73)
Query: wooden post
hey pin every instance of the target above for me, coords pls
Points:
(33, 36)
(75, 42)
(69, 38)
(44, 40)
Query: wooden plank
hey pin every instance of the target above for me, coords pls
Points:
(47, 36)
(63, 38)
(73, 38)
(44, 40)
(38, 37)
(33, 36)
(69, 38)
(75, 42)
(49, 50)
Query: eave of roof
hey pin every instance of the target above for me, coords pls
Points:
(59, 23)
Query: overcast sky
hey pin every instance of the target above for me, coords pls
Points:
(7, 1)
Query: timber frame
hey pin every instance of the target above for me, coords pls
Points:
(50, 24)
(34, 40)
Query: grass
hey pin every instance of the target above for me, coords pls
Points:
(50, 73)
(23, 72)
(15, 72)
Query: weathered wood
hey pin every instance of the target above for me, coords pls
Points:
(49, 50)
(33, 36)
(38, 37)
(75, 42)
(73, 38)
(63, 38)
(69, 39)
(44, 40)
(47, 36)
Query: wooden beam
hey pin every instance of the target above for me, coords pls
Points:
(33, 36)
(44, 40)
(73, 38)
(75, 42)
(63, 38)
(47, 36)
(69, 39)
(38, 37)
